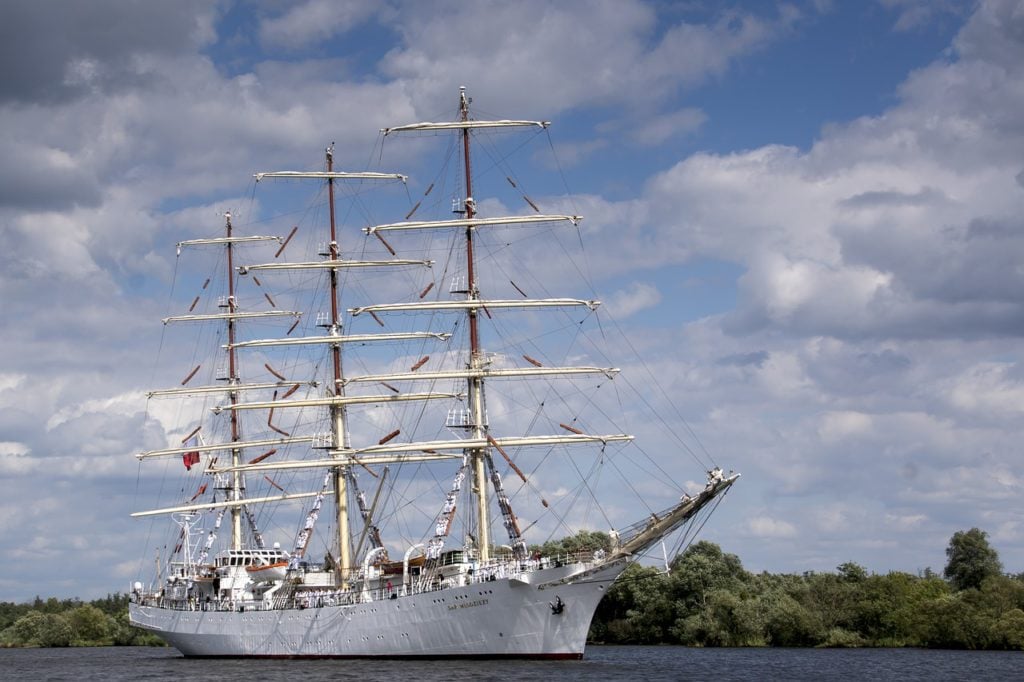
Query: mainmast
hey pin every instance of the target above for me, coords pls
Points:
(337, 411)
(476, 359)
(237, 481)
(340, 466)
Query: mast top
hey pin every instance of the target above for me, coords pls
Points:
(464, 123)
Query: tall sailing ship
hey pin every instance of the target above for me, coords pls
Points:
(286, 442)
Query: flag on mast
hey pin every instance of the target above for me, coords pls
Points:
(191, 458)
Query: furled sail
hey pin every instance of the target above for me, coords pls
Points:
(475, 303)
(473, 222)
(464, 125)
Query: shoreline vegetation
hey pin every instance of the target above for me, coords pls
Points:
(71, 622)
(707, 599)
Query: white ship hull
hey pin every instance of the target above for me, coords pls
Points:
(508, 617)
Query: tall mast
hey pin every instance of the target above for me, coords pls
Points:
(340, 471)
(337, 412)
(236, 453)
(476, 360)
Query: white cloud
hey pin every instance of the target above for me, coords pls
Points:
(11, 381)
(916, 14)
(14, 459)
(12, 449)
(635, 297)
(569, 154)
(765, 527)
(126, 403)
(314, 21)
(988, 388)
(656, 129)
(836, 426)
(891, 226)
(905, 522)
(591, 53)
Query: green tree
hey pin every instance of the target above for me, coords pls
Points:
(954, 622)
(616, 619)
(1008, 632)
(11, 612)
(42, 629)
(728, 618)
(653, 613)
(124, 634)
(90, 625)
(884, 610)
(832, 597)
(112, 604)
(789, 623)
(701, 569)
(970, 559)
(852, 572)
(583, 541)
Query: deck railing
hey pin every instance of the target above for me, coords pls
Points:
(429, 581)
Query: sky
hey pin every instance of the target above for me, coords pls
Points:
(807, 214)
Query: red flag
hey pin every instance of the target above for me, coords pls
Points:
(190, 458)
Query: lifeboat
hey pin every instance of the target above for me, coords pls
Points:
(264, 572)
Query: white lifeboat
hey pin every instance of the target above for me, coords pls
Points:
(263, 571)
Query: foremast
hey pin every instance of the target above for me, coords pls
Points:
(235, 484)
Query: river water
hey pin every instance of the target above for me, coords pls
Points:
(600, 663)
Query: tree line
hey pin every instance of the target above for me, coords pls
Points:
(71, 622)
(706, 598)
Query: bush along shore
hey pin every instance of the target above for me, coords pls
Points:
(71, 622)
(706, 598)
